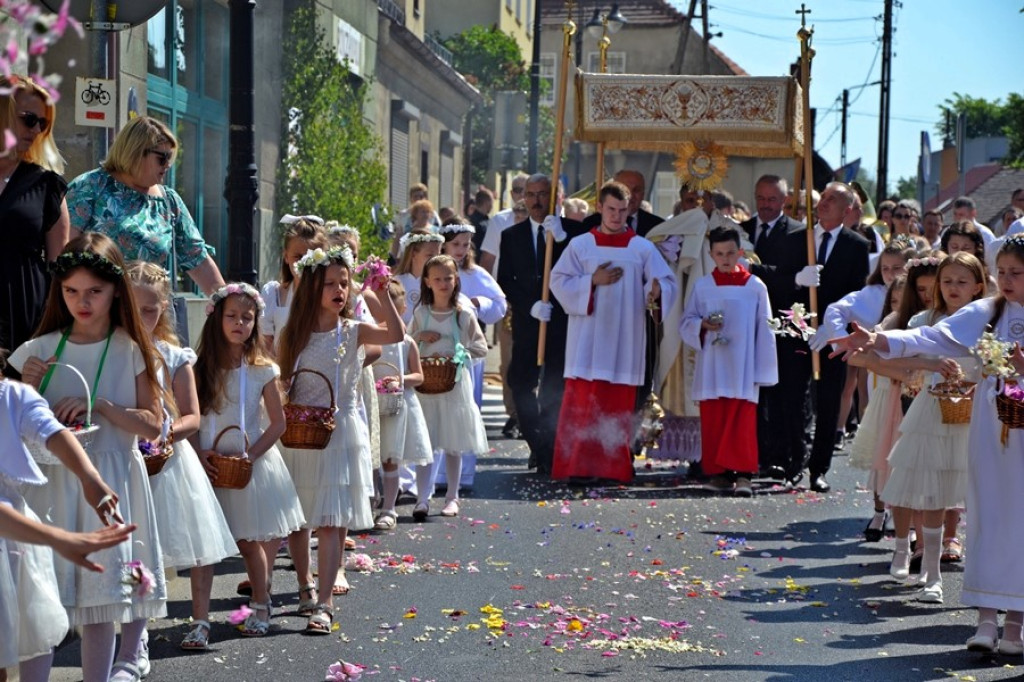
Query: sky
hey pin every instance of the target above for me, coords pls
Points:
(974, 47)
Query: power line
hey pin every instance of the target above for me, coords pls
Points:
(848, 40)
(777, 17)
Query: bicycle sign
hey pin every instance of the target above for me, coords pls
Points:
(95, 101)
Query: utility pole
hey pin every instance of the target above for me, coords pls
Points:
(842, 135)
(677, 63)
(241, 185)
(531, 155)
(883, 113)
(707, 38)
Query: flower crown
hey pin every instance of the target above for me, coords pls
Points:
(1017, 239)
(289, 219)
(235, 289)
(335, 255)
(334, 228)
(415, 238)
(927, 261)
(457, 228)
(68, 261)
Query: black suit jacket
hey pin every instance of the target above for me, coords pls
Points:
(845, 271)
(781, 256)
(522, 280)
(645, 221)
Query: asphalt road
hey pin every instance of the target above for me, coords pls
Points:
(656, 580)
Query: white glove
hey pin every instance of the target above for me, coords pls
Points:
(541, 310)
(744, 262)
(553, 224)
(810, 276)
(819, 340)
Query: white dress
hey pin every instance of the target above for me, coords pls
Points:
(367, 394)
(193, 530)
(268, 507)
(994, 574)
(31, 616)
(279, 304)
(453, 419)
(403, 436)
(928, 464)
(334, 484)
(100, 597)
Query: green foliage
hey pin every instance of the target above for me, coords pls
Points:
(988, 119)
(333, 161)
(1015, 129)
(867, 182)
(906, 188)
(492, 62)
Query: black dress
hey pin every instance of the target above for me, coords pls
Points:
(30, 204)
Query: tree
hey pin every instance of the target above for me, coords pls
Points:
(491, 61)
(984, 118)
(333, 163)
(1015, 129)
(906, 188)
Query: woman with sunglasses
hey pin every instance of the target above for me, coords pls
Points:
(126, 199)
(32, 208)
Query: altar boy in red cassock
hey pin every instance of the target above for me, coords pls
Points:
(605, 280)
(726, 318)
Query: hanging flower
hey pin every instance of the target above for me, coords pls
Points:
(389, 384)
(140, 577)
(376, 274)
(994, 356)
(239, 615)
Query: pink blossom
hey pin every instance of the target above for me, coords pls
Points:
(239, 615)
(141, 577)
(341, 671)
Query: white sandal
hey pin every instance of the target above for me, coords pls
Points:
(123, 671)
(253, 626)
(198, 638)
(306, 606)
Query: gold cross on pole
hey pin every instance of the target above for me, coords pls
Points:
(803, 12)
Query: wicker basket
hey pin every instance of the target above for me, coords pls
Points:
(83, 431)
(439, 374)
(232, 472)
(956, 398)
(309, 427)
(389, 404)
(155, 462)
(1010, 411)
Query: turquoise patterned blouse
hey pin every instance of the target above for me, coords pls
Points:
(143, 226)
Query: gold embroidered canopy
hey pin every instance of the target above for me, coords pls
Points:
(745, 116)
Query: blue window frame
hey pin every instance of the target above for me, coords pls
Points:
(187, 84)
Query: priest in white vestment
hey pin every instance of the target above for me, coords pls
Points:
(605, 280)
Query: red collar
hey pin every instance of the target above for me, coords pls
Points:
(736, 278)
(618, 240)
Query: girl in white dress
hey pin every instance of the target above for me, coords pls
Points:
(238, 387)
(928, 464)
(193, 531)
(417, 247)
(301, 234)
(490, 307)
(334, 484)
(91, 323)
(31, 615)
(442, 327)
(404, 439)
(993, 579)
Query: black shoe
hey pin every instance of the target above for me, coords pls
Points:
(511, 428)
(794, 480)
(875, 529)
(840, 441)
(819, 484)
(775, 472)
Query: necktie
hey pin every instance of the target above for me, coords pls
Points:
(631, 222)
(762, 239)
(541, 247)
(823, 249)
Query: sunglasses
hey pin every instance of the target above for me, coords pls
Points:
(163, 157)
(901, 216)
(31, 121)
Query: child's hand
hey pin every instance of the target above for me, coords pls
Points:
(35, 369)
(69, 410)
(101, 498)
(606, 274)
(948, 368)
(860, 340)
(204, 459)
(476, 301)
(710, 326)
(428, 337)
(76, 547)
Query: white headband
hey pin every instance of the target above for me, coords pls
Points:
(289, 219)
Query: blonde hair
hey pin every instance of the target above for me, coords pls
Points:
(309, 232)
(145, 274)
(135, 139)
(405, 260)
(43, 151)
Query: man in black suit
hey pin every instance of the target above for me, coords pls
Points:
(638, 219)
(782, 409)
(842, 255)
(536, 391)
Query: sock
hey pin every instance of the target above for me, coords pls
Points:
(987, 619)
(390, 489)
(131, 637)
(36, 669)
(932, 553)
(97, 652)
(1011, 626)
(453, 470)
(878, 520)
(424, 483)
(901, 556)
